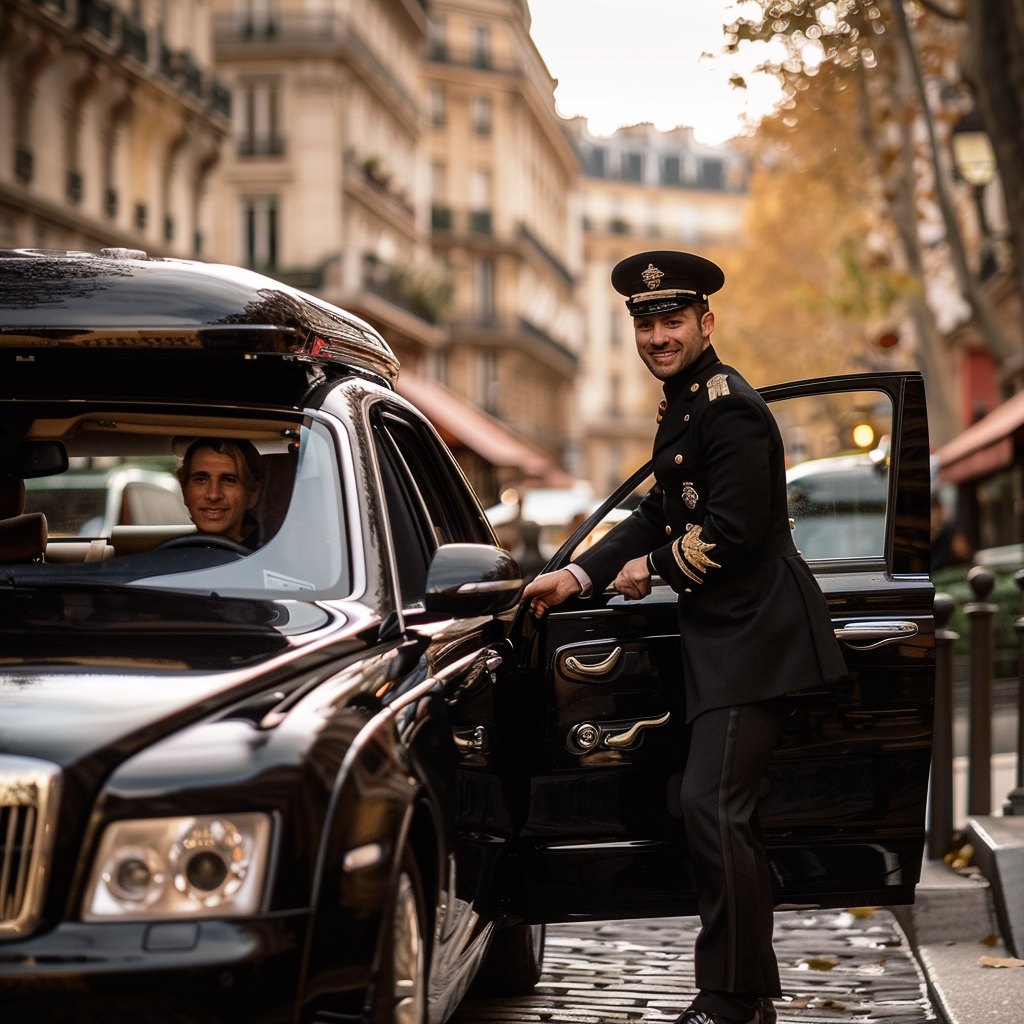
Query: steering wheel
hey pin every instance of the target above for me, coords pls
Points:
(205, 540)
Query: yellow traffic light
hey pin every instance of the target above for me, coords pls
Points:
(863, 435)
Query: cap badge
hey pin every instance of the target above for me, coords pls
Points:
(652, 276)
(718, 386)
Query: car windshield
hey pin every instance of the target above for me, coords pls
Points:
(257, 513)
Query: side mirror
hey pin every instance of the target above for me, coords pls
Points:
(472, 579)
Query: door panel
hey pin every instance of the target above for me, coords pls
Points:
(843, 800)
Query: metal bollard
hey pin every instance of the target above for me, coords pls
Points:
(940, 821)
(1015, 798)
(981, 614)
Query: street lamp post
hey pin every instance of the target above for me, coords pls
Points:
(975, 163)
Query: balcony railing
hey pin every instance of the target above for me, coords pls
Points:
(291, 27)
(467, 57)
(96, 16)
(441, 218)
(260, 147)
(134, 42)
(480, 222)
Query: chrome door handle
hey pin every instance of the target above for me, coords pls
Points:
(575, 667)
(492, 662)
(473, 738)
(618, 740)
(879, 633)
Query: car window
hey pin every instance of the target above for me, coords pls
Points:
(428, 501)
(837, 472)
(451, 506)
(116, 516)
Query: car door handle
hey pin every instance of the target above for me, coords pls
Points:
(470, 739)
(587, 736)
(617, 740)
(879, 633)
(575, 667)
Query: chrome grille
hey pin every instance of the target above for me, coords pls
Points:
(29, 791)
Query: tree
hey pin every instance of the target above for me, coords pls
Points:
(900, 69)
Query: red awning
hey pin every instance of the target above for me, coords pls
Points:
(984, 448)
(479, 432)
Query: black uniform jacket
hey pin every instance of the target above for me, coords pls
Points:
(753, 621)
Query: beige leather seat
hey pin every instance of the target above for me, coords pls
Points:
(22, 537)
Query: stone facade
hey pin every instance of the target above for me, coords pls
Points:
(112, 120)
(505, 219)
(641, 189)
(323, 185)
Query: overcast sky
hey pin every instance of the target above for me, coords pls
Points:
(622, 61)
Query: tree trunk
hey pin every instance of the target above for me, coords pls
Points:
(995, 67)
(1000, 348)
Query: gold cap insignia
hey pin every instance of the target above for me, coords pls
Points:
(718, 386)
(652, 276)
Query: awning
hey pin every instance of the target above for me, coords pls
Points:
(985, 447)
(483, 434)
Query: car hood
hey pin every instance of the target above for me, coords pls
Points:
(102, 669)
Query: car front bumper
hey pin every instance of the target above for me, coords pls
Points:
(213, 972)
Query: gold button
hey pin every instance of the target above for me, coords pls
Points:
(688, 590)
(686, 418)
(694, 387)
(668, 530)
(679, 459)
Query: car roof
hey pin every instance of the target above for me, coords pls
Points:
(121, 299)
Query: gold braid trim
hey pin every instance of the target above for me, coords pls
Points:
(690, 548)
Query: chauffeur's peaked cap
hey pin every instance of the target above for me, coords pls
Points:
(663, 280)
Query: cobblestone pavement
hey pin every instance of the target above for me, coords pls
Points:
(836, 968)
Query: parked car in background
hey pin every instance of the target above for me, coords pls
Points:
(333, 774)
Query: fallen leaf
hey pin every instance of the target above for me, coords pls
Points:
(827, 1004)
(950, 942)
(819, 963)
(1000, 961)
(862, 911)
(989, 940)
(799, 1002)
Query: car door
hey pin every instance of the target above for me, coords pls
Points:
(843, 801)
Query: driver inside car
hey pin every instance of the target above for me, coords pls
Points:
(220, 482)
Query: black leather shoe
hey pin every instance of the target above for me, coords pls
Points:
(702, 1017)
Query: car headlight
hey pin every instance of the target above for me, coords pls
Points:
(207, 866)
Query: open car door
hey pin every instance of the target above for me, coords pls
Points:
(602, 717)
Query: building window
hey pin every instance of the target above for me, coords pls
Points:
(480, 203)
(596, 160)
(712, 175)
(483, 289)
(256, 17)
(482, 115)
(480, 47)
(260, 220)
(437, 48)
(438, 182)
(489, 381)
(632, 166)
(653, 220)
(670, 171)
(435, 99)
(440, 366)
(615, 396)
(615, 329)
(258, 128)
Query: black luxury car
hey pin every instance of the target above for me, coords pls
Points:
(321, 767)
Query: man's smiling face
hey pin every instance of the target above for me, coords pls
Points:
(669, 342)
(215, 496)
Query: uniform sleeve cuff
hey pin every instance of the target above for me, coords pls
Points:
(586, 586)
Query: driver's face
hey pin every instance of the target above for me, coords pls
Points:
(215, 496)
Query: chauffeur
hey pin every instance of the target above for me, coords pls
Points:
(753, 623)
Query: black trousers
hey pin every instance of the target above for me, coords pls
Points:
(729, 752)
